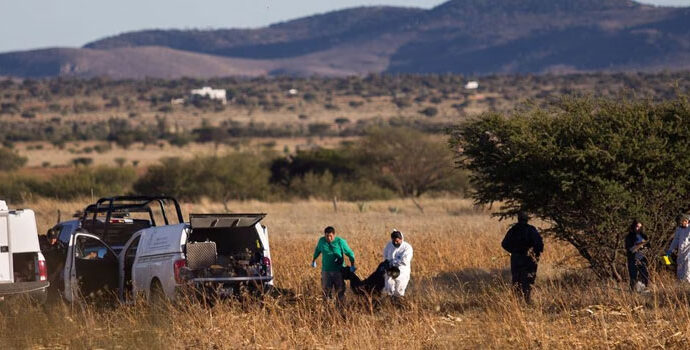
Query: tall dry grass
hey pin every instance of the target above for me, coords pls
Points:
(459, 296)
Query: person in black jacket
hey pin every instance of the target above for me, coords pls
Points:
(636, 243)
(525, 245)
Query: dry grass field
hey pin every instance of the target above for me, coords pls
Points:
(459, 297)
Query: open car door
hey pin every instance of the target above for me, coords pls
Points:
(91, 268)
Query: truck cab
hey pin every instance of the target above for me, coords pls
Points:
(89, 246)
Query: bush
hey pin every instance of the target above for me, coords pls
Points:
(429, 111)
(326, 186)
(338, 162)
(84, 161)
(10, 160)
(408, 162)
(102, 148)
(235, 176)
(319, 129)
(103, 181)
(587, 167)
(173, 177)
(18, 189)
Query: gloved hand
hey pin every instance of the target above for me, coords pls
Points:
(313, 263)
(668, 252)
(353, 269)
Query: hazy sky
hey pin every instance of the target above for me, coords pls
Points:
(30, 24)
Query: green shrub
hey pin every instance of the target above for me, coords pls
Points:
(10, 160)
(84, 161)
(326, 186)
(408, 162)
(587, 167)
(235, 176)
(173, 177)
(102, 148)
(19, 189)
(429, 111)
(103, 181)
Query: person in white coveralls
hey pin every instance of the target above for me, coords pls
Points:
(681, 243)
(398, 255)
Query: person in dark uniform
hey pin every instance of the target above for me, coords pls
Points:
(525, 245)
(636, 243)
(54, 254)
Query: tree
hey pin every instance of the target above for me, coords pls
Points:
(234, 176)
(10, 160)
(587, 167)
(408, 161)
(238, 176)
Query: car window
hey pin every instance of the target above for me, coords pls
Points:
(132, 249)
(87, 248)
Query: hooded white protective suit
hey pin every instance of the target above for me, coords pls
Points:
(402, 258)
(681, 242)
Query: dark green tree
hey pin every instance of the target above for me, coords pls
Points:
(587, 167)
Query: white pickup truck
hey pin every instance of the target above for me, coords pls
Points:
(213, 255)
(22, 266)
(134, 246)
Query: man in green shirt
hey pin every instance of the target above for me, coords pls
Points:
(334, 250)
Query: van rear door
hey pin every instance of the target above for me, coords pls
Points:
(5, 255)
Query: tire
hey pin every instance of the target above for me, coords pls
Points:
(156, 293)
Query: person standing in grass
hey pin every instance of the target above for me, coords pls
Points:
(636, 243)
(333, 250)
(525, 245)
(681, 244)
(398, 255)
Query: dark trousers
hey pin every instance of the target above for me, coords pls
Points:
(637, 268)
(523, 269)
(333, 281)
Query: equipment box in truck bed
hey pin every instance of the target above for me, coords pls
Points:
(22, 266)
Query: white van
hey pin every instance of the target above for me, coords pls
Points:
(22, 266)
(213, 253)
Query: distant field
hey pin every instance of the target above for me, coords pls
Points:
(459, 296)
(42, 155)
(61, 111)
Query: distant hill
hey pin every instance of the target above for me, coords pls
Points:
(459, 36)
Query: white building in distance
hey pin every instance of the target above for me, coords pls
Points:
(472, 85)
(214, 94)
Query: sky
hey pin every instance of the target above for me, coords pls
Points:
(32, 24)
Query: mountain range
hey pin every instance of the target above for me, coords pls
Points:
(471, 37)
